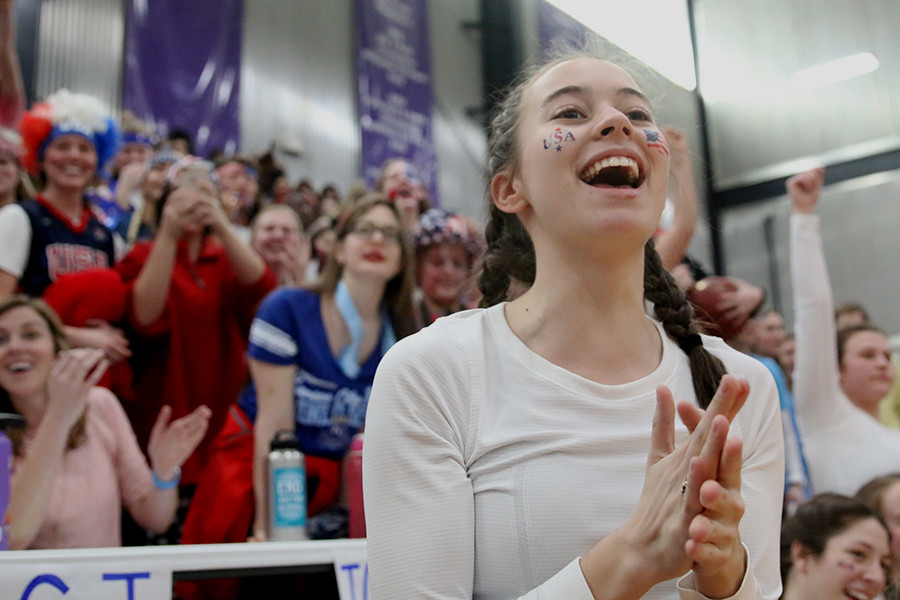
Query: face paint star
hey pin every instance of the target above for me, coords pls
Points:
(559, 148)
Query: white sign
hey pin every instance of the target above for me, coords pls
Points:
(352, 571)
(80, 581)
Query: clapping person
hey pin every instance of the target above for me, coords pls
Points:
(78, 461)
(531, 449)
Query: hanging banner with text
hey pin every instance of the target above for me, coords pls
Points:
(393, 65)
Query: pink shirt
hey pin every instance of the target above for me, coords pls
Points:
(106, 471)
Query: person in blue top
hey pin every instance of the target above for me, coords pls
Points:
(313, 352)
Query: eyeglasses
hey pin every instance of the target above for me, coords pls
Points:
(389, 233)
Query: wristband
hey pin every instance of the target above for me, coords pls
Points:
(161, 484)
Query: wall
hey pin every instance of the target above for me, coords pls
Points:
(298, 83)
(759, 124)
(80, 47)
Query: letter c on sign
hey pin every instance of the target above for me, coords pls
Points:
(49, 580)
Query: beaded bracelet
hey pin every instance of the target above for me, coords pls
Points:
(161, 484)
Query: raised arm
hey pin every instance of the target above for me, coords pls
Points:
(151, 288)
(12, 89)
(247, 264)
(816, 385)
(673, 243)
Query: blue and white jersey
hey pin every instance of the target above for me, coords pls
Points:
(329, 407)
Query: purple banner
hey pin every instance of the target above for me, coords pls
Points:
(558, 27)
(393, 66)
(183, 68)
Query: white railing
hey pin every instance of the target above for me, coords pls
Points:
(146, 573)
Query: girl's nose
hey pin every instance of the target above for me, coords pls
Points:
(613, 123)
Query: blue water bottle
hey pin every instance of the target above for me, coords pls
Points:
(6, 456)
(286, 489)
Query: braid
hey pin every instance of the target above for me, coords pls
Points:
(509, 255)
(675, 313)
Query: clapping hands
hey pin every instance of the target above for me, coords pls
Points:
(688, 514)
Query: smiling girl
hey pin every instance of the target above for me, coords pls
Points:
(834, 548)
(532, 449)
(78, 461)
(313, 352)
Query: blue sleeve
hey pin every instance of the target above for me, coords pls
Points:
(274, 333)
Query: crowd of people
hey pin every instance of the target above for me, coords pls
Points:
(163, 316)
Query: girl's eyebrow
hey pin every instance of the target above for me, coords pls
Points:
(569, 89)
(581, 90)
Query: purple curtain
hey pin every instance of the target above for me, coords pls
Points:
(393, 65)
(183, 68)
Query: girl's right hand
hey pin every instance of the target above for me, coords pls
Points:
(73, 375)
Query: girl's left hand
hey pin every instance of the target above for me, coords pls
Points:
(714, 543)
(172, 443)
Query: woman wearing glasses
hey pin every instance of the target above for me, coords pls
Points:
(313, 352)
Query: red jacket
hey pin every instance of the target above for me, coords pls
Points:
(194, 353)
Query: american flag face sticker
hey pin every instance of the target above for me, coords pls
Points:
(655, 139)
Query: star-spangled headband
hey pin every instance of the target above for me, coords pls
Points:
(438, 226)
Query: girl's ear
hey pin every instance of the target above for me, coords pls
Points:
(800, 557)
(506, 193)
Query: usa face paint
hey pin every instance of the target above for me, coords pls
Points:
(655, 139)
(557, 140)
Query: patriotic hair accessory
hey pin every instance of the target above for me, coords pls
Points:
(67, 113)
(437, 226)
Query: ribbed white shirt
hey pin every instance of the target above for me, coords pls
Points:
(489, 470)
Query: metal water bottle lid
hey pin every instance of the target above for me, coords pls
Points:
(284, 439)
(11, 421)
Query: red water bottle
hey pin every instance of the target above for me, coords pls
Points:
(353, 479)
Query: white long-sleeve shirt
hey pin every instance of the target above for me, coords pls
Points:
(844, 446)
(489, 470)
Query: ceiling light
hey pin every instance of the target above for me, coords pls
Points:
(834, 71)
(661, 38)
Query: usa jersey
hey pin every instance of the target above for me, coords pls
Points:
(59, 248)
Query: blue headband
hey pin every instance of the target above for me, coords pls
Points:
(134, 137)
